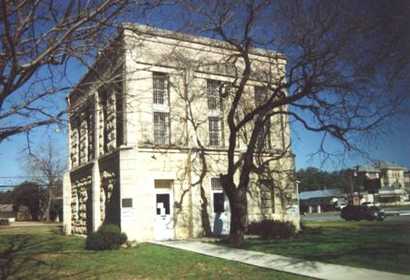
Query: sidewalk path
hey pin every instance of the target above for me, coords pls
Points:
(291, 265)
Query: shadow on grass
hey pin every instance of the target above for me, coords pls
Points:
(39, 256)
(379, 246)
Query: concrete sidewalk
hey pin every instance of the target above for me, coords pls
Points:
(291, 265)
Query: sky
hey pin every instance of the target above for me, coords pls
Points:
(393, 145)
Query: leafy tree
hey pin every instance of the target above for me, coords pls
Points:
(313, 178)
(6, 197)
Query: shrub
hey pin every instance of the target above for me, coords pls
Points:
(107, 237)
(271, 229)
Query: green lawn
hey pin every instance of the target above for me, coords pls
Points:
(375, 245)
(42, 253)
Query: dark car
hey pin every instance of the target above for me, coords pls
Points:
(361, 212)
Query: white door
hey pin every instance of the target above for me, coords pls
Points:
(221, 215)
(164, 228)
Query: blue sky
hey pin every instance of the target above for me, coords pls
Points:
(393, 145)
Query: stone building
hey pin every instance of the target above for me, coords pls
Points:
(407, 181)
(385, 179)
(141, 127)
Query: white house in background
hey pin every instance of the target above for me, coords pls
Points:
(388, 181)
(138, 124)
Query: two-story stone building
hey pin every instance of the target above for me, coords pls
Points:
(148, 141)
(385, 179)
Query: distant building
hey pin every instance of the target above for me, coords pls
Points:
(8, 211)
(321, 200)
(385, 180)
(407, 181)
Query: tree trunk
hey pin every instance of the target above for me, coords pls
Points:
(206, 225)
(238, 204)
(49, 199)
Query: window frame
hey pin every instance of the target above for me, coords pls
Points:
(215, 134)
(213, 94)
(164, 136)
(259, 98)
(160, 95)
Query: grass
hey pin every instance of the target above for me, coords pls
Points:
(43, 253)
(375, 245)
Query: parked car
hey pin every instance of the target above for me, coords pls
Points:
(368, 204)
(362, 212)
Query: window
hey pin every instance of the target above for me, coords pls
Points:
(261, 95)
(216, 184)
(214, 100)
(119, 113)
(218, 196)
(160, 86)
(90, 127)
(104, 110)
(161, 131)
(219, 202)
(214, 131)
(266, 195)
(127, 203)
(264, 140)
(163, 204)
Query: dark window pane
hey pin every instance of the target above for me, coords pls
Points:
(164, 199)
(126, 202)
(264, 142)
(219, 200)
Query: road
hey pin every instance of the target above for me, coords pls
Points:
(402, 216)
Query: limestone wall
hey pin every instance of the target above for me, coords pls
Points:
(81, 202)
(114, 135)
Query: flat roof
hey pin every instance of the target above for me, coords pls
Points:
(198, 39)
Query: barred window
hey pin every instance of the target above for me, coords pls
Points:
(214, 100)
(160, 86)
(261, 95)
(214, 131)
(161, 131)
(266, 195)
(216, 184)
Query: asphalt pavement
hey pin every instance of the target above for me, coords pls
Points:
(391, 215)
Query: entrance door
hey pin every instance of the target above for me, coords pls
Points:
(221, 214)
(164, 229)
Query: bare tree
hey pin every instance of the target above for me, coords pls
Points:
(46, 166)
(344, 71)
(41, 42)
